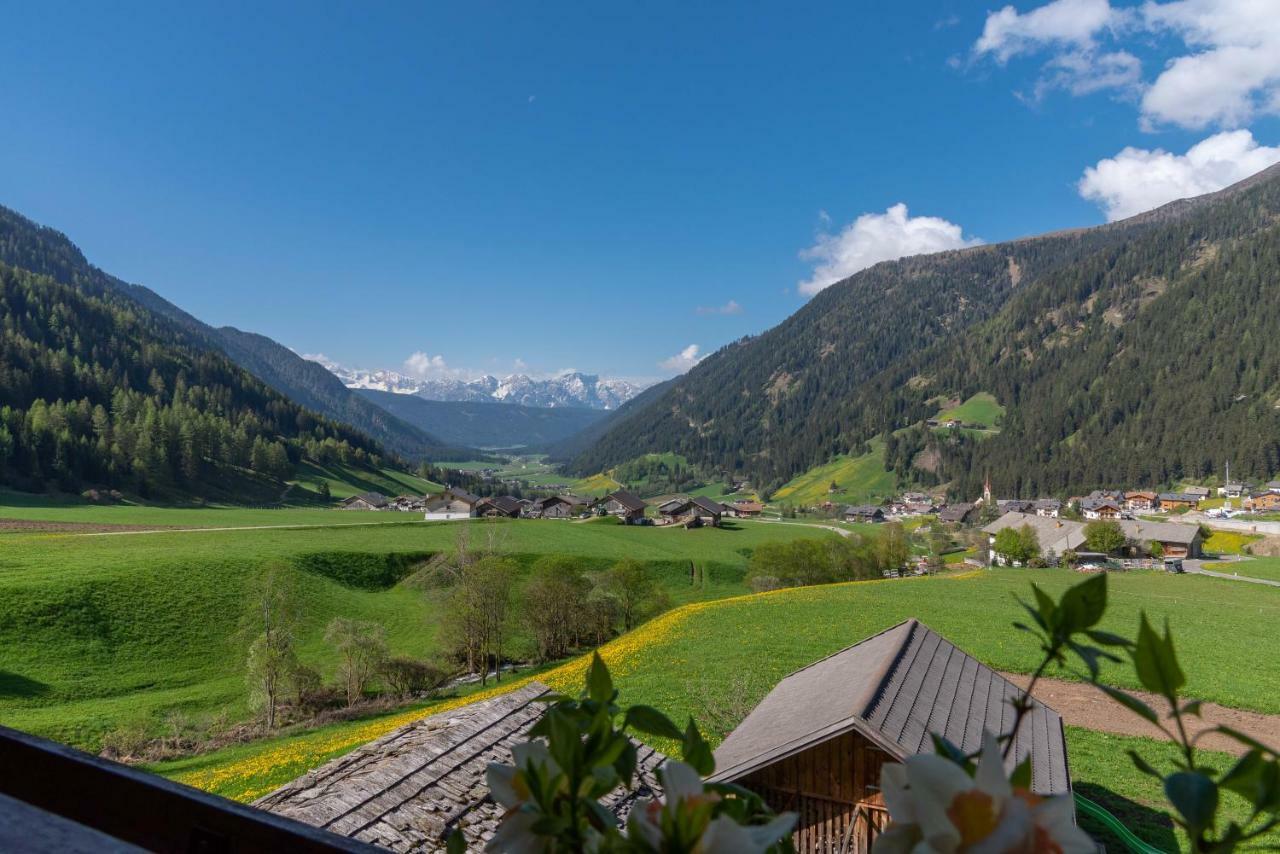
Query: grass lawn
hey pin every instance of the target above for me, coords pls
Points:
(101, 631)
(858, 480)
(714, 660)
(343, 482)
(982, 408)
(1229, 542)
(1259, 567)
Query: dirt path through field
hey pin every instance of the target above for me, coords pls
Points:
(1085, 706)
(33, 526)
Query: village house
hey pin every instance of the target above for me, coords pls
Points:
(498, 507)
(1200, 492)
(814, 745)
(1055, 536)
(743, 509)
(1232, 489)
(557, 507)
(863, 513)
(450, 504)
(626, 505)
(963, 513)
(1178, 501)
(1050, 508)
(1274, 486)
(366, 501)
(1140, 501)
(1015, 505)
(1263, 502)
(693, 512)
(1101, 508)
(1058, 536)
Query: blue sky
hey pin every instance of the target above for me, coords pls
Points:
(598, 186)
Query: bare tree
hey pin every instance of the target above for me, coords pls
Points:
(271, 622)
(362, 647)
(477, 613)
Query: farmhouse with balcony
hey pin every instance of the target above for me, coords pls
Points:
(366, 501)
(1141, 501)
(1263, 502)
(1179, 501)
(557, 507)
(626, 505)
(863, 513)
(498, 507)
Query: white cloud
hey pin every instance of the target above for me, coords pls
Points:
(1235, 72)
(731, 307)
(1065, 23)
(874, 237)
(426, 366)
(1083, 72)
(1226, 71)
(682, 361)
(1137, 180)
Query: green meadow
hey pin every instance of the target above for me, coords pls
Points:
(716, 660)
(102, 631)
(982, 408)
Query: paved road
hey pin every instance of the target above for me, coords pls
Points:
(1246, 526)
(1196, 567)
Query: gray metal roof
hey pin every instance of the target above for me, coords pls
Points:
(406, 790)
(1053, 535)
(895, 688)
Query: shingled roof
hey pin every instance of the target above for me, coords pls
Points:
(895, 688)
(406, 791)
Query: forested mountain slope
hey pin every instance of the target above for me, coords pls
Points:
(43, 250)
(97, 391)
(1138, 352)
(486, 424)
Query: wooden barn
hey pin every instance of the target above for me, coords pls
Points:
(816, 743)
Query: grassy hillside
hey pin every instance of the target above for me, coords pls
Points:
(101, 631)
(344, 481)
(982, 408)
(715, 660)
(858, 480)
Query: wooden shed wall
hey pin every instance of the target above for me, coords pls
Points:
(831, 786)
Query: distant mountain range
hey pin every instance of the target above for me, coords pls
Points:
(488, 424)
(571, 389)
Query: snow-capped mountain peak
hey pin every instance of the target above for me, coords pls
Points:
(572, 388)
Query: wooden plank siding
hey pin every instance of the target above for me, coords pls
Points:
(834, 789)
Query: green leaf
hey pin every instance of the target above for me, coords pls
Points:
(457, 843)
(1045, 606)
(1130, 702)
(1021, 778)
(1156, 662)
(1143, 765)
(1195, 797)
(1192, 707)
(949, 750)
(1083, 605)
(649, 720)
(599, 683)
(696, 751)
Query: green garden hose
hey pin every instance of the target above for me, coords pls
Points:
(1106, 819)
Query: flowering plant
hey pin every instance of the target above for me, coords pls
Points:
(582, 752)
(943, 802)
